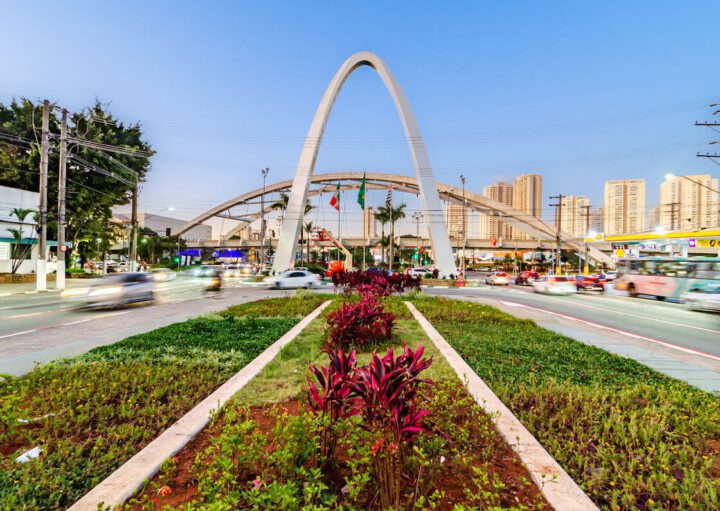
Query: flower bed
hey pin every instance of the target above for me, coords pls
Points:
(89, 414)
(268, 449)
(631, 437)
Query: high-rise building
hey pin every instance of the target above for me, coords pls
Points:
(492, 226)
(686, 204)
(624, 206)
(369, 223)
(527, 198)
(572, 215)
(457, 216)
(653, 218)
(597, 220)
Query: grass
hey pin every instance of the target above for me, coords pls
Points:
(257, 456)
(630, 436)
(90, 413)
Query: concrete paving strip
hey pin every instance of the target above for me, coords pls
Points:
(558, 488)
(126, 480)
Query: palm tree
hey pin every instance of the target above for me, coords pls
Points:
(21, 250)
(282, 204)
(396, 214)
(308, 227)
(382, 215)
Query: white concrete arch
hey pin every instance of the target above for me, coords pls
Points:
(430, 200)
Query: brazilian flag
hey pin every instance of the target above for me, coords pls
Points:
(361, 193)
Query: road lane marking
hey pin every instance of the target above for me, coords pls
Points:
(637, 316)
(623, 332)
(512, 304)
(76, 322)
(17, 333)
(28, 314)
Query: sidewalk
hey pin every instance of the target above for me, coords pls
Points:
(28, 288)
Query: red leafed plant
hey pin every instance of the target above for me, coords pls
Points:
(359, 323)
(384, 393)
(374, 282)
(332, 397)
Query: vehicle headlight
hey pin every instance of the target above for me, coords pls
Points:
(73, 293)
(106, 291)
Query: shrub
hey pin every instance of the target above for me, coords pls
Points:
(384, 394)
(374, 282)
(359, 323)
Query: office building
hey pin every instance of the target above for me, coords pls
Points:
(456, 215)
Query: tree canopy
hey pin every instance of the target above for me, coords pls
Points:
(91, 193)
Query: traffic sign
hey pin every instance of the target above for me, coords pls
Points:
(63, 248)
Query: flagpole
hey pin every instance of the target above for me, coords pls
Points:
(338, 210)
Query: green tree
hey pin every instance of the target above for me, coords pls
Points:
(91, 195)
(308, 228)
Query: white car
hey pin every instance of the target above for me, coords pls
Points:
(497, 278)
(554, 285)
(120, 290)
(232, 271)
(419, 272)
(705, 298)
(163, 274)
(294, 279)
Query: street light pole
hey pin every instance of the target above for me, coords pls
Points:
(263, 253)
(464, 219)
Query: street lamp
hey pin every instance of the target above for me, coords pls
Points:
(264, 173)
(464, 221)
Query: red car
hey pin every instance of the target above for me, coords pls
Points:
(591, 283)
(525, 278)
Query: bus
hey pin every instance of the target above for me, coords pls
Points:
(666, 277)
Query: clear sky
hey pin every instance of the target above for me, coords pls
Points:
(580, 92)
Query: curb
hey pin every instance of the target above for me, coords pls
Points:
(558, 488)
(119, 486)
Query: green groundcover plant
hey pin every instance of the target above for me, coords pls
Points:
(89, 414)
(631, 437)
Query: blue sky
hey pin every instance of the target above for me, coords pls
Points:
(579, 92)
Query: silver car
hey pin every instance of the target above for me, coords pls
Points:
(119, 290)
(706, 298)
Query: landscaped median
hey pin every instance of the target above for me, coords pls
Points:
(91, 413)
(358, 412)
(631, 437)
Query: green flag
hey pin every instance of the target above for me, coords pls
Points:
(361, 193)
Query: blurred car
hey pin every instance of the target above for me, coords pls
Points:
(419, 272)
(609, 275)
(247, 269)
(589, 283)
(294, 279)
(497, 278)
(525, 278)
(163, 274)
(233, 271)
(119, 290)
(703, 298)
(554, 285)
(204, 270)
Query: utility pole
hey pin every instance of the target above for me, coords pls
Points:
(134, 227)
(673, 213)
(263, 254)
(586, 214)
(464, 223)
(558, 240)
(62, 175)
(41, 267)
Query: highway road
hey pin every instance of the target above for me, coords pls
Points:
(41, 327)
(665, 336)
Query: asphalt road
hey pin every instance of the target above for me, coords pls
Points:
(41, 327)
(666, 336)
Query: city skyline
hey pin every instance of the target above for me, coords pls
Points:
(496, 107)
